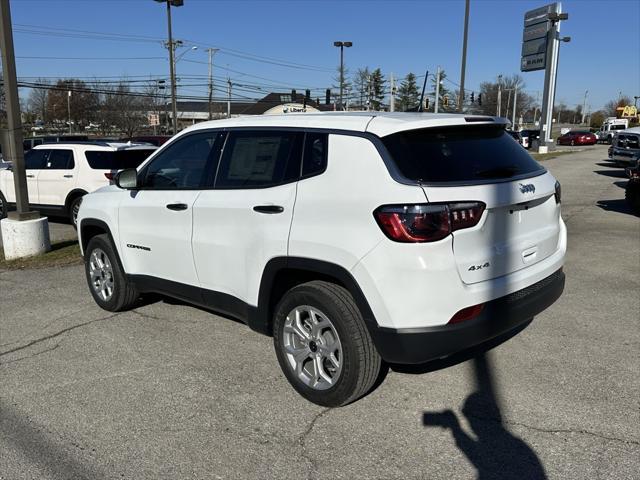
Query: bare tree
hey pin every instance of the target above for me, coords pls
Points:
(611, 108)
(38, 99)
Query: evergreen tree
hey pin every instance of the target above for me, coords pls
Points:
(408, 96)
(377, 89)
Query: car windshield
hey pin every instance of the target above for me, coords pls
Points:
(459, 154)
(629, 141)
(117, 160)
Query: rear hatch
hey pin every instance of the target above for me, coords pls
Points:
(482, 163)
(111, 161)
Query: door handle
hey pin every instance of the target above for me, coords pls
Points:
(68, 176)
(177, 206)
(268, 209)
(31, 176)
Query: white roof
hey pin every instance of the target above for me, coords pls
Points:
(629, 130)
(378, 123)
(98, 145)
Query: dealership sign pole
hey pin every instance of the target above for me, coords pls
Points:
(540, 48)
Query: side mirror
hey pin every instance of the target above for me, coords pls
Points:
(127, 179)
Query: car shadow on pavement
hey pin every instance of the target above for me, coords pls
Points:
(607, 163)
(493, 450)
(621, 183)
(612, 173)
(619, 205)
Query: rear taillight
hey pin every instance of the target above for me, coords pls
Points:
(427, 223)
(558, 193)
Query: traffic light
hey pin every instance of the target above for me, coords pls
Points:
(445, 101)
(293, 95)
(426, 104)
(472, 97)
(327, 97)
(479, 99)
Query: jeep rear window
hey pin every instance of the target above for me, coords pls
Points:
(116, 160)
(459, 154)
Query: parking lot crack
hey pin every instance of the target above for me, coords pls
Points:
(46, 350)
(302, 441)
(56, 334)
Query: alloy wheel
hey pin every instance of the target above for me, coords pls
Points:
(101, 274)
(312, 347)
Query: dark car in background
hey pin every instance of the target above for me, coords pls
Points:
(530, 136)
(625, 149)
(517, 137)
(29, 142)
(578, 137)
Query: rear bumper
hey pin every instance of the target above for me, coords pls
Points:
(419, 345)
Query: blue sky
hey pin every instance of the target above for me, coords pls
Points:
(397, 36)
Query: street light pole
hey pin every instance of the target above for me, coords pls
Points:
(584, 104)
(13, 150)
(342, 45)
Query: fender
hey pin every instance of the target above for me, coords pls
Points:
(260, 318)
(76, 192)
(93, 222)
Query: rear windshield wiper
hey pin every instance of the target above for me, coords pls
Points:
(497, 172)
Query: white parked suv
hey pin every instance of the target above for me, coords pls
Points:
(60, 174)
(353, 239)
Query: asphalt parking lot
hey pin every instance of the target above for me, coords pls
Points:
(171, 391)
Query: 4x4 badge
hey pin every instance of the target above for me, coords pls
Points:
(528, 188)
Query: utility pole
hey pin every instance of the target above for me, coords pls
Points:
(584, 105)
(635, 100)
(464, 56)
(211, 51)
(499, 103)
(392, 98)
(515, 103)
(228, 97)
(172, 65)
(24, 233)
(435, 108)
(13, 150)
(69, 108)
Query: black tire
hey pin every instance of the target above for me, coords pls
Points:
(74, 206)
(123, 294)
(632, 195)
(3, 206)
(361, 362)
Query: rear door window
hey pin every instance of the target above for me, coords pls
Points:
(35, 159)
(461, 154)
(116, 160)
(60, 160)
(259, 159)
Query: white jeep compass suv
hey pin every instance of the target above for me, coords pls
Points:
(353, 239)
(60, 174)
